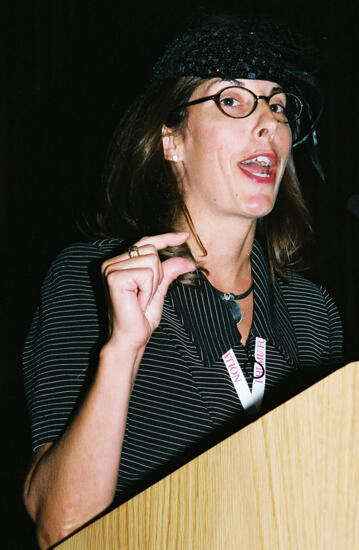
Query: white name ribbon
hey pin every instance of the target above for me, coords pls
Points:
(251, 400)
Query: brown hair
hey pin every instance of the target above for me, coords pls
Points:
(142, 192)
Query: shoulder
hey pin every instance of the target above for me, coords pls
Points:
(72, 300)
(84, 252)
(316, 320)
(75, 273)
(78, 257)
(306, 297)
(302, 290)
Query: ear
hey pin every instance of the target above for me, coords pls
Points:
(172, 144)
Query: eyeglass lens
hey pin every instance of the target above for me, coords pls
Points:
(238, 102)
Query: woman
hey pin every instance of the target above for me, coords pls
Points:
(200, 323)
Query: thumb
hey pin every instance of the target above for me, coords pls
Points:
(173, 268)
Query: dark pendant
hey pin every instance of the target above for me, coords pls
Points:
(230, 301)
(234, 308)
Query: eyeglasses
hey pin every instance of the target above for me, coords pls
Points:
(238, 102)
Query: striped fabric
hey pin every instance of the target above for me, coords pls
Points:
(183, 399)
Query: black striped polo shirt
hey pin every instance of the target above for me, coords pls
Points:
(183, 400)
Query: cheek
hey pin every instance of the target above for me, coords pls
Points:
(285, 142)
(206, 147)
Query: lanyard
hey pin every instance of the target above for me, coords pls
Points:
(251, 400)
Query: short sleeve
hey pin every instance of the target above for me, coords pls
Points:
(63, 338)
(335, 330)
(316, 321)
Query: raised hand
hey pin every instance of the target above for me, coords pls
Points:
(137, 284)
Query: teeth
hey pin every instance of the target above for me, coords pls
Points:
(261, 175)
(261, 159)
(264, 160)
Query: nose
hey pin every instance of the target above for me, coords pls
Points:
(267, 123)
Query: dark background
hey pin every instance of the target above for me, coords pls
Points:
(68, 69)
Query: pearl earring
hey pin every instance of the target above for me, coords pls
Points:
(175, 158)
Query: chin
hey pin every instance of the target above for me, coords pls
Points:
(260, 206)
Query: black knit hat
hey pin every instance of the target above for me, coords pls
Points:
(248, 47)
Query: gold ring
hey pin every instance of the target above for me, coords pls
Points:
(133, 250)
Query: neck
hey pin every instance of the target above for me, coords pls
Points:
(228, 247)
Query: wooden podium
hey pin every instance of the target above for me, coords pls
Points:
(288, 481)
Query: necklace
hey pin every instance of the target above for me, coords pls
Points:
(230, 300)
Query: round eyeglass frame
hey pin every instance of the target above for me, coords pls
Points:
(216, 99)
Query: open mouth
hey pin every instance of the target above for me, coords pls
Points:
(260, 167)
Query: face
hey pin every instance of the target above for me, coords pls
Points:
(228, 166)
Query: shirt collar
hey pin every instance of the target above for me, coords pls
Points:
(211, 327)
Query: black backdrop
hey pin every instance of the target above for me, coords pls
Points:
(68, 70)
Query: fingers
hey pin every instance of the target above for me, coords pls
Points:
(173, 268)
(166, 239)
(148, 248)
(148, 245)
(133, 285)
(148, 260)
(126, 260)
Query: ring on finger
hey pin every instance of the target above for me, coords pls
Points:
(133, 251)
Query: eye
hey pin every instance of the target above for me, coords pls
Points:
(278, 103)
(236, 102)
(277, 108)
(230, 101)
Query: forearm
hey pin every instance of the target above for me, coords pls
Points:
(76, 478)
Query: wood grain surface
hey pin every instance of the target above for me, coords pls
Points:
(289, 481)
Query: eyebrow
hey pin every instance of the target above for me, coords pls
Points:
(240, 83)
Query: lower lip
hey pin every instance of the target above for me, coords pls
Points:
(259, 179)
